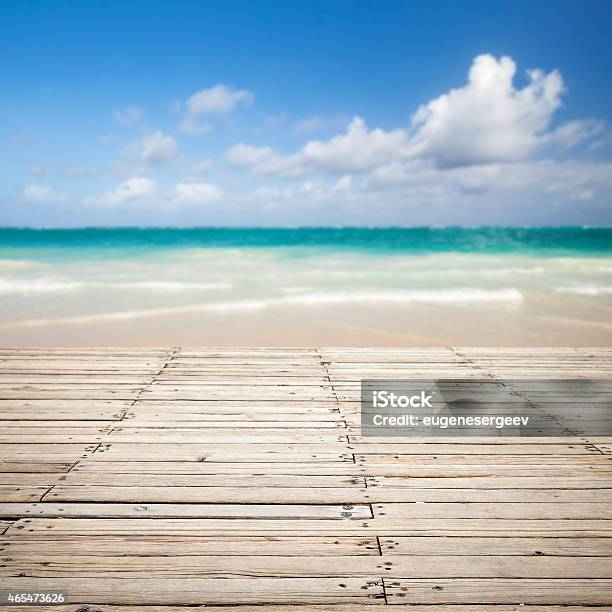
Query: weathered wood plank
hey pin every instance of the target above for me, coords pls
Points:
(32, 467)
(313, 495)
(402, 468)
(176, 436)
(588, 481)
(347, 527)
(21, 493)
(464, 459)
(187, 591)
(590, 591)
(252, 480)
(183, 510)
(528, 510)
(295, 567)
(547, 547)
(172, 546)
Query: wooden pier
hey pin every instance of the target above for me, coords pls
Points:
(167, 479)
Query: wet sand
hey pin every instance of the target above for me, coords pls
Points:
(533, 322)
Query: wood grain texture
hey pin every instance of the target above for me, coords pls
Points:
(172, 479)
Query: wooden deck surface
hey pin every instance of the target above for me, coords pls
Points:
(223, 477)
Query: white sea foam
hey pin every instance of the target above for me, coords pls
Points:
(293, 290)
(586, 290)
(166, 285)
(37, 285)
(43, 285)
(433, 296)
(536, 270)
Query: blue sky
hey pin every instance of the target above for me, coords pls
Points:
(305, 113)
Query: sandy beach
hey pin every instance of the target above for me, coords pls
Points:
(541, 322)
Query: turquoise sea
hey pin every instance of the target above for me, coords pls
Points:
(113, 242)
(87, 276)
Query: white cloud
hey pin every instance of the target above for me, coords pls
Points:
(39, 170)
(203, 166)
(136, 188)
(218, 99)
(195, 194)
(42, 194)
(156, 148)
(245, 156)
(264, 160)
(129, 116)
(358, 150)
(574, 133)
(488, 120)
(418, 192)
(344, 184)
(568, 179)
(193, 127)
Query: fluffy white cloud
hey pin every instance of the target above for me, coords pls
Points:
(358, 150)
(129, 116)
(246, 156)
(42, 194)
(136, 188)
(265, 161)
(488, 120)
(157, 148)
(195, 194)
(218, 99)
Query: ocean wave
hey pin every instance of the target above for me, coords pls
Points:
(536, 270)
(444, 296)
(8, 286)
(41, 285)
(167, 285)
(586, 290)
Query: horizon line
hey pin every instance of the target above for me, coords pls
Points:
(296, 227)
